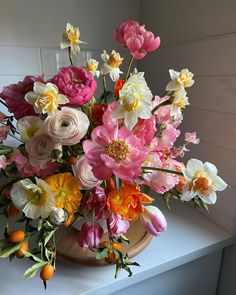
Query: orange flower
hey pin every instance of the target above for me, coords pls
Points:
(118, 86)
(182, 181)
(128, 202)
(66, 190)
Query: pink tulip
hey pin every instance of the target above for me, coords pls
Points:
(116, 226)
(90, 235)
(138, 40)
(153, 220)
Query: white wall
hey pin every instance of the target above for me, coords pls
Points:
(201, 36)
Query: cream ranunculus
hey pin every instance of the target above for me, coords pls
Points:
(45, 98)
(83, 172)
(28, 126)
(202, 180)
(135, 101)
(40, 148)
(34, 200)
(180, 79)
(68, 126)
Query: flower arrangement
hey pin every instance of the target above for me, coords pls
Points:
(80, 155)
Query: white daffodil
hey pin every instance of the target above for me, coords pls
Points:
(45, 98)
(111, 65)
(34, 200)
(134, 101)
(180, 79)
(71, 39)
(92, 67)
(28, 126)
(202, 180)
(180, 101)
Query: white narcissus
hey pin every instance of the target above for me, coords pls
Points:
(45, 98)
(180, 79)
(34, 200)
(92, 67)
(202, 180)
(28, 126)
(179, 101)
(135, 101)
(111, 65)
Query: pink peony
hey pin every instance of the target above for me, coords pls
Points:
(14, 97)
(76, 83)
(191, 138)
(115, 151)
(153, 220)
(145, 130)
(117, 226)
(90, 235)
(138, 40)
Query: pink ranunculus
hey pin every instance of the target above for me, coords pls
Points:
(153, 220)
(14, 97)
(115, 151)
(90, 235)
(138, 40)
(76, 83)
(83, 172)
(67, 126)
(39, 149)
(191, 138)
(117, 226)
(4, 132)
(145, 130)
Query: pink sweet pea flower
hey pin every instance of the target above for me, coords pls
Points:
(115, 151)
(191, 138)
(145, 129)
(76, 83)
(117, 226)
(153, 220)
(90, 235)
(14, 97)
(138, 40)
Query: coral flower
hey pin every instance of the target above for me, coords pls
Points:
(128, 202)
(114, 151)
(66, 190)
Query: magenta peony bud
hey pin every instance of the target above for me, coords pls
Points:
(90, 235)
(116, 226)
(153, 220)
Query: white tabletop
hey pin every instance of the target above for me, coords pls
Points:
(190, 235)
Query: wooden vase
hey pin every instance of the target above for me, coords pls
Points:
(68, 248)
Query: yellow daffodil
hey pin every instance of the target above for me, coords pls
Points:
(180, 79)
(111, 65)
(65, 187)
(45, 98)
(71, 39)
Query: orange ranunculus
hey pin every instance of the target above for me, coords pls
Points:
(118, 86)
(128, 202)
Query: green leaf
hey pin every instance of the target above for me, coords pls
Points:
(9, 250)
(3, 243)
(6, 231)
(48, 237)
(28, 254)
(118, 269)
(118, 183)
(45, 284)
(5, 150)
(32, 271)
(102, 254)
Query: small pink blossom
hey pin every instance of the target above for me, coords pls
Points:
(138, 40)
(153, 220)
(14, 97)
(4, 132)
(76, 83)
(191, 138)
(90, 235)
(145, 130)
(115, 151)
(117, 226)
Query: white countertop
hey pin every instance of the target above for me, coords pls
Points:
(190, 235)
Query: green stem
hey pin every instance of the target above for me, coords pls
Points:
(70, 56)
(163, 170)
(104, 87)
(129, 68)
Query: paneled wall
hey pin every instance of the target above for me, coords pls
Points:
(201, 36)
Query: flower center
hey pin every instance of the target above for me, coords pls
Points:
(131, 102)
(91, 67)
(118, 150)
(73, 36)
(62, 193)
(114, 61)
(202, 183)
(47, 101)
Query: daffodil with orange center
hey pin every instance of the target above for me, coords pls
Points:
(128, 202)
(66, 190)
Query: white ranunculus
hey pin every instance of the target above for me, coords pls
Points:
(67, 126)
(202, 180)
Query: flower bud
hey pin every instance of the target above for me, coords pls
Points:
(116, 226)
(153, 220)
(57, 216)
(90, 235)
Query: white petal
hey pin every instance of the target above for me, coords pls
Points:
(220, 184)
(75, 49)
(32, 211)
(171, 86)
(114, 74)
(210, 169)
(119, 112)
(210, 200)
(187, 196)
(69, 27)
(39, 87)
(105, 69)
(64, 45)
(52, 86)
(31, 97)
(173, 74)
(62, 99)
(131, 119)
(194, 165)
